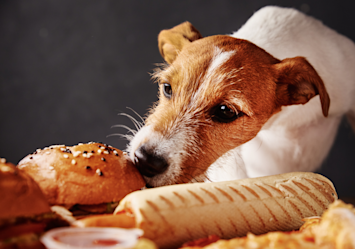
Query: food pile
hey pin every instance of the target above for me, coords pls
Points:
(70, 189)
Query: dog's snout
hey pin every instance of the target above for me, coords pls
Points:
(148, 163)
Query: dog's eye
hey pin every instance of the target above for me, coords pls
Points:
(225, 114)
(167, 90)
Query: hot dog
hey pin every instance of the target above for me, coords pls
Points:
(172, 215)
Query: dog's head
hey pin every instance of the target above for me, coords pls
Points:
(215, 94)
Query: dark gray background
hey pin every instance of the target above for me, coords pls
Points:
(68, 67)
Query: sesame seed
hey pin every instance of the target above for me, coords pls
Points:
(98, 171)
(73, 162)
(99, 151)
(106, 152)
(31, 157)
(88, 155)
(51, 167)
(65, 156)
(76, 153)
(2, 160)
(88, 167)
(103, 159)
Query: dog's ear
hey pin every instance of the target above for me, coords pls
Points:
(171, 41)
(298, 82)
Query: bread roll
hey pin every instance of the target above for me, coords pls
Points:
(19, 193)
(172, 215)
(24, 211)
(87, 174)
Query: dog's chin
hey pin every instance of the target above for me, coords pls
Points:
(160, 180)
(171, 179)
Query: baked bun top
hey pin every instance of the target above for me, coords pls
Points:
(91, 173)
(20, 194)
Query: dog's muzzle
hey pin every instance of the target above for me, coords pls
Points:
(149, 163)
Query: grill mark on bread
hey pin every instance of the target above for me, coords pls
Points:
(219, 229)
(224, 193)
(145, 217)
(294, 206)
(306, 203)
(277, 190)
(307, 191)
(170, 204)
(244, 218)
(155, 207)
(258, 215)
(323, 189)
(284, 210)
(233, 225)
(238, 193)
(264, 190)
(204, 230)
(271, 213)
(197, 197)
(329, 188)
(189, 234)
(211, 195)
(182, 199)
(250, 190)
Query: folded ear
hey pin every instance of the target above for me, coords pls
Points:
(298, 82)
(171, 41)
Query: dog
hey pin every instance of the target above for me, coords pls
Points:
(267, 99)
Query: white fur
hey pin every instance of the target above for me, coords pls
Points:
(212, 78)
(162, 146)
(300, 131)
(296, 139)
(219, 58)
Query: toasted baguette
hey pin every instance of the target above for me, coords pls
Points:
(172, 215)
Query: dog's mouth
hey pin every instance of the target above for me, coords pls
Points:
(149, 163)
(158, 171)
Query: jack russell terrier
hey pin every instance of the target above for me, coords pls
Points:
(267, 99)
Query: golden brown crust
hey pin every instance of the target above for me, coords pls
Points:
(335, 229)
(172, 215)
(122, 220)
(20, 194)
(87, 174)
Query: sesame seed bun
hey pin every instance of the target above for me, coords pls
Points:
(85, 174)
(20, 194)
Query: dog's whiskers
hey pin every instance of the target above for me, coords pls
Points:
(141, 118)
(125, 136)
(136, 123)
(125, 127)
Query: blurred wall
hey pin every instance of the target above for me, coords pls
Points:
(69, 67)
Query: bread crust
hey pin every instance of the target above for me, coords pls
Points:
(175, 214)
(90, 173)
(20, 194)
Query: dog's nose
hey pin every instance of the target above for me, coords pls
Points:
(149, 164)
